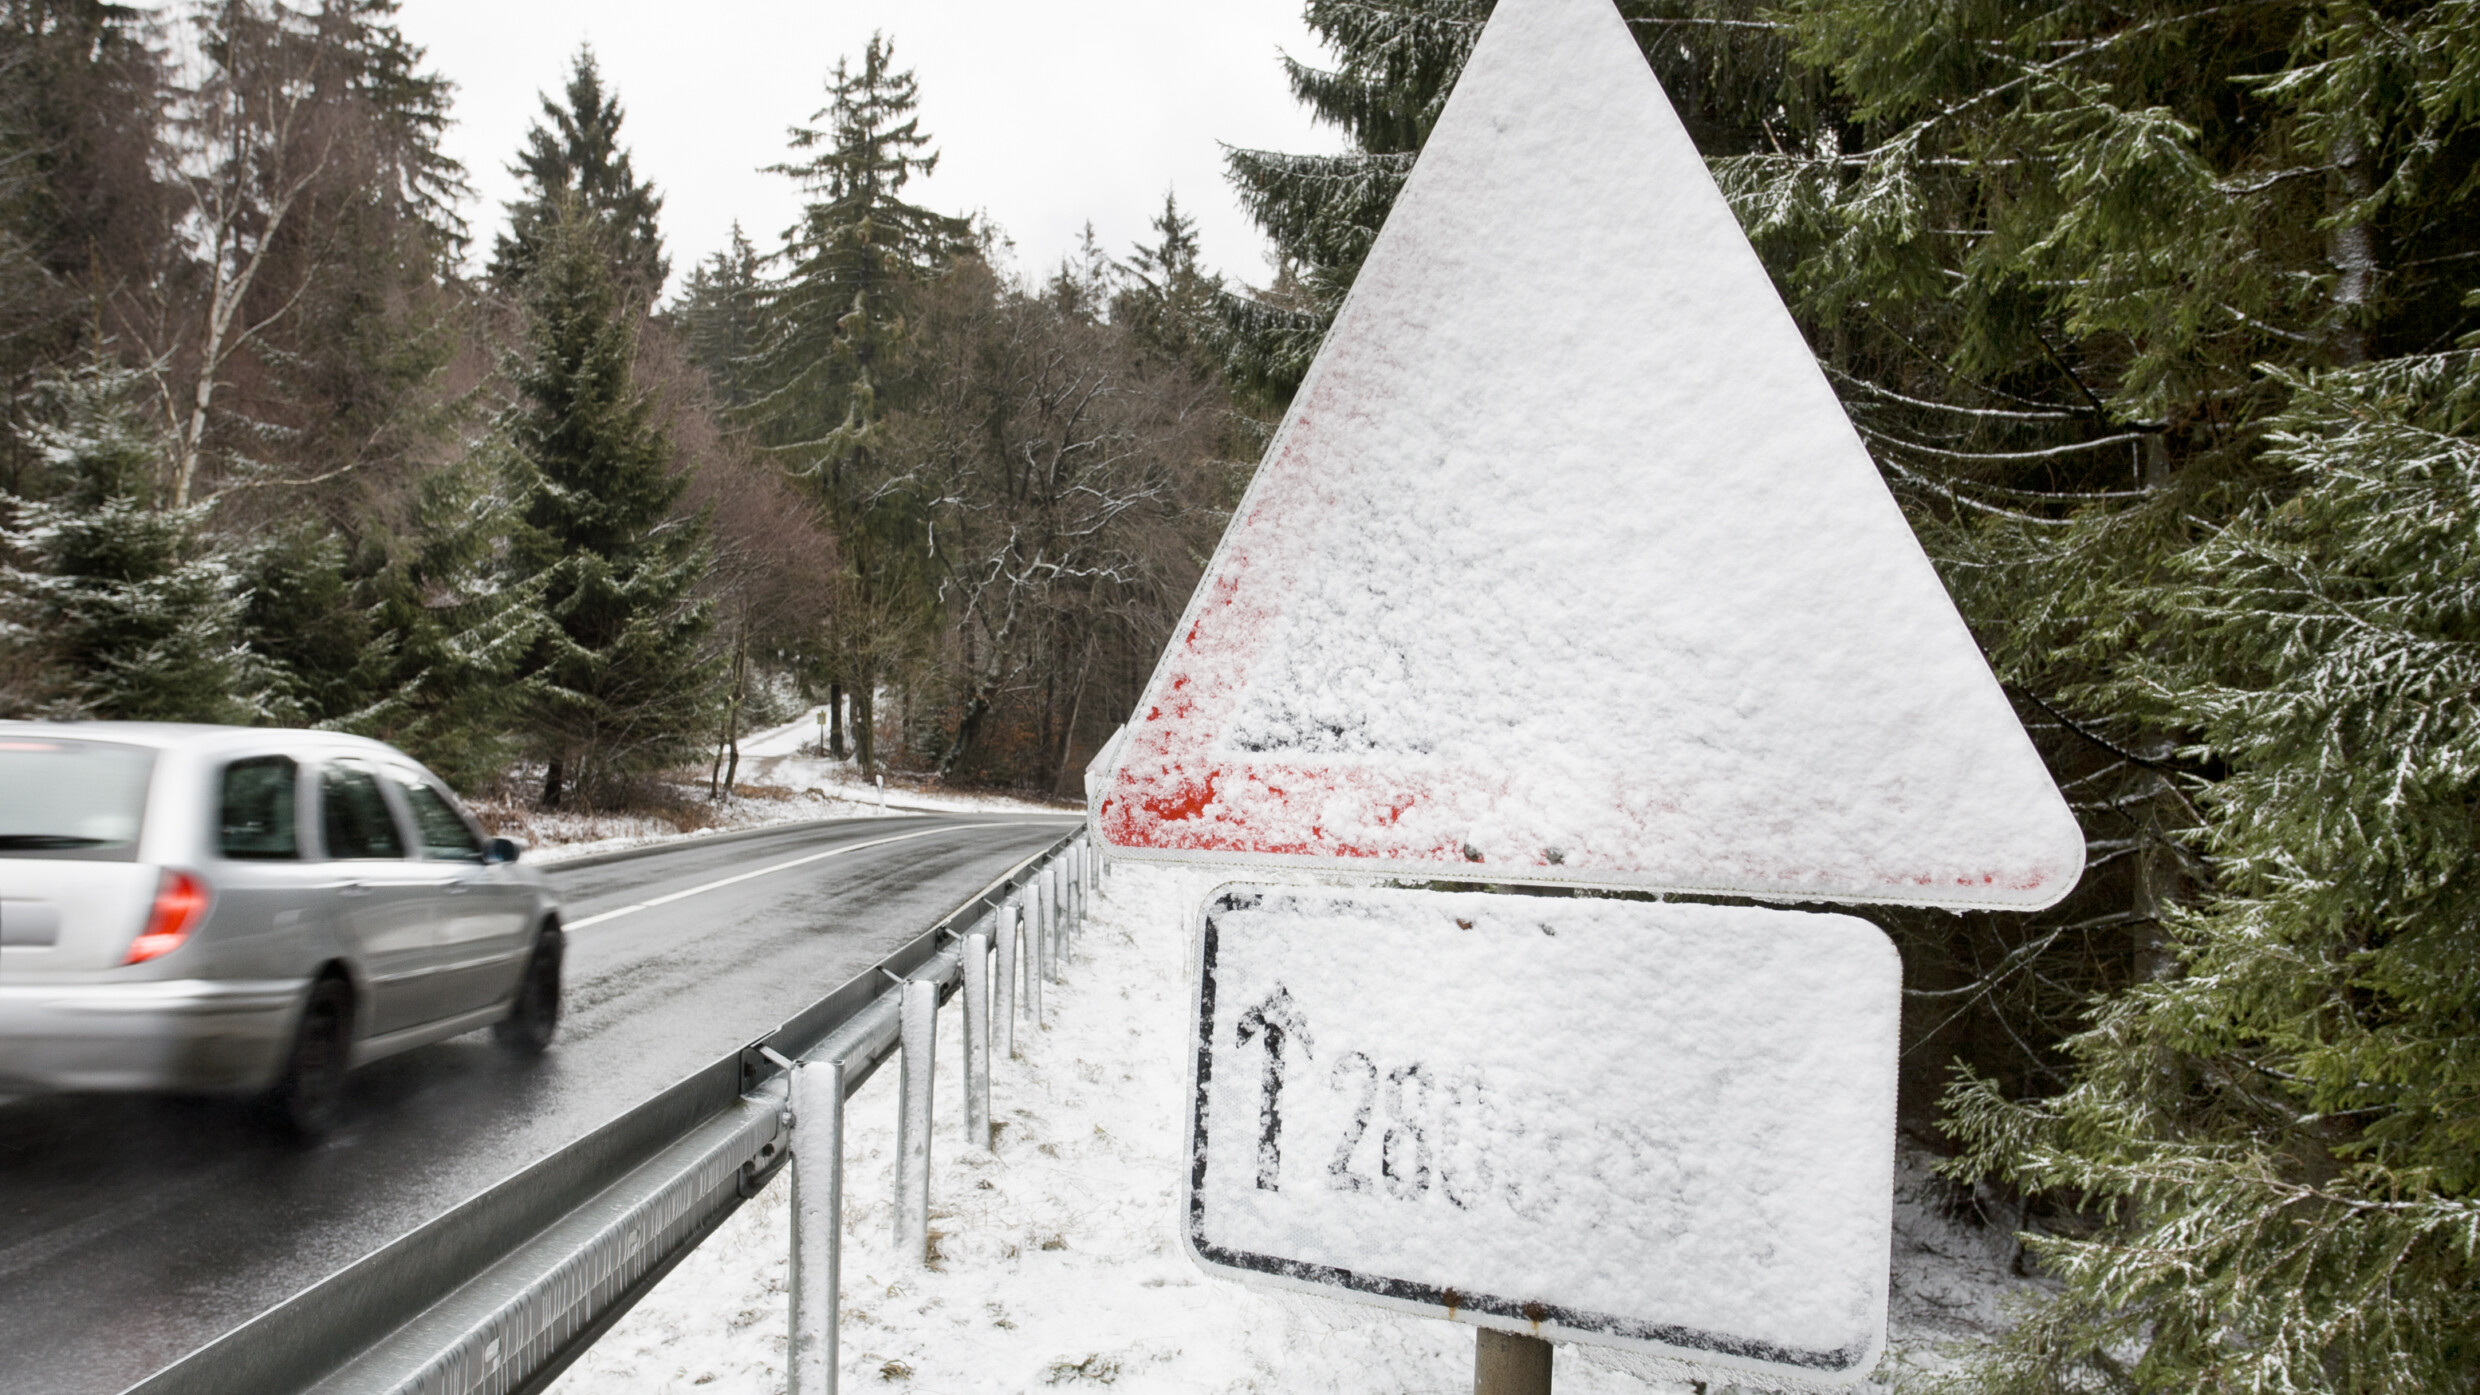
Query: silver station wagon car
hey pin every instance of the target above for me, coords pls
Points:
(223, 909)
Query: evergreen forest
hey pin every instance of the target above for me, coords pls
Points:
(287, 441)
(2161, 318)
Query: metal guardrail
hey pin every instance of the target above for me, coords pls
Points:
(501, 1293)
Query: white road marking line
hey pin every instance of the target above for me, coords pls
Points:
(784, 866)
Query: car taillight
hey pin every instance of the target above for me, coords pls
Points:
(180, 903)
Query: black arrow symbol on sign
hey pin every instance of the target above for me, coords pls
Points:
(1276, 1019)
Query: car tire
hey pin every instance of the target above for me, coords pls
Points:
(535, 1015)
(307, 1097)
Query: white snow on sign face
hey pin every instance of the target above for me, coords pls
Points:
(1668, 1128)
(1568, 564)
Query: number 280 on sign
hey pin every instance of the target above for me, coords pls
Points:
(1655, 1126)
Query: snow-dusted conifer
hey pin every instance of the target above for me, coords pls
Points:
(452, 626)
(616, 681)
(834, 360)
(127, 605)
(722, 318)
(1394, 65)
(2283, 1132)
(1168, 300)
(578, 157)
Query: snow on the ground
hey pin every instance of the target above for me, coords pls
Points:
(1059, 1260)
(776, 784)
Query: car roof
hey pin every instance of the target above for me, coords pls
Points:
(170, 736)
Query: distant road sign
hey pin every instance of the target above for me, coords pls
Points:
(1566, 565)
(1667, 1128)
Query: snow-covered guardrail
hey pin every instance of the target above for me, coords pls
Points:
(501, 1293)
(1027, 939)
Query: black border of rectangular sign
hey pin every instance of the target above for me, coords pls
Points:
(1450, 1302)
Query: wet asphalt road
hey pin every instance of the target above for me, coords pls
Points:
(134, 1230)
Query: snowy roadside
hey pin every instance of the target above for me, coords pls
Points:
(776, 784)
(1059, 1260)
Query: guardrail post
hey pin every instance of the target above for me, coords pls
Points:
(1059, 918)
(1004, 1002)
(1030, 909)
(1076, 887)
(919, 1026)
(1046, 887)
(976, 970)
(817, 1223)
(1037, 946)
(1068, 897)
(1067, 901)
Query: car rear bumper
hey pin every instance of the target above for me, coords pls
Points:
(171, 1034)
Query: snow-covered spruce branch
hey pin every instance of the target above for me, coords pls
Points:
(1921, 481)
(2047, 453)
(2251, 322)
(1760, 25)
(1349, 170)
(1423, 13)
(1996, 413)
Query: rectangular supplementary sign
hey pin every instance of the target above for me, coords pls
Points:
(1660, 1127)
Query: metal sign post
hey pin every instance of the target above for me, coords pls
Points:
(1505, 1363)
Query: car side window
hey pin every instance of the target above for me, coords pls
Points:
(354, 814)
(256, 819)
(445, 834)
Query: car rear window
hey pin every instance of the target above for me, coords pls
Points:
(83, 800)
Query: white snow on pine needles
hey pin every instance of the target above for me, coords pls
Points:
(1567, 566)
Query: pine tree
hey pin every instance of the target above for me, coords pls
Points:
(452, 630)
(2079, 285)
(577, 156)
(1725, 64)
(355, 386)
(81, 115)
(128, 608)
(1396, 63)
(1169, 300)
(616, 683)
(307, 620)
(833, 362)
(2282, 1134)
(722, 319)
(1087, 280)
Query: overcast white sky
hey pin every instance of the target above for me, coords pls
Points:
(1046, 113)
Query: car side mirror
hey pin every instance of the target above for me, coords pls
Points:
(500, 850)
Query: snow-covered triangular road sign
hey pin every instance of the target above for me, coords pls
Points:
(1566, 565)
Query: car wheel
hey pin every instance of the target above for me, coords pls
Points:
(535, 1015)
(306, 1097)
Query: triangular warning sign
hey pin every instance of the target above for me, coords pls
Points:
(1567, 566)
